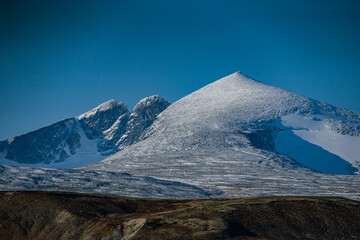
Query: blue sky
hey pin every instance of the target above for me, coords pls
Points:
(61, 58)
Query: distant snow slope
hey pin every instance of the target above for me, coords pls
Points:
(227, 131)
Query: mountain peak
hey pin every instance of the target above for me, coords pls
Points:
(236, 80)
(148, 101)
(102, 108)
(105, 115)
(239, 98)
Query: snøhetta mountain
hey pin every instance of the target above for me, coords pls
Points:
(85, 139)
(235, 135)
(244, 117)
(247, 138)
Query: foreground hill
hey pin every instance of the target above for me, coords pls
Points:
(55, 215)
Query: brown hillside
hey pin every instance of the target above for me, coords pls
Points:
(57, 215)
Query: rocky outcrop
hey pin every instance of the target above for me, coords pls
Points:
(143, 115)
(104, 116)
(106, 123)
(49, 144)
(99, 130)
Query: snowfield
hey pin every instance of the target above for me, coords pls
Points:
(322, 149)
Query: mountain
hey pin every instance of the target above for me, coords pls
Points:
(85, 139)
(237, 130)
(236, 136)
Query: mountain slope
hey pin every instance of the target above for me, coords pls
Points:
(231, 129)
(78, 141)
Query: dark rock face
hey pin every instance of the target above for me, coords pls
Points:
(44, 145)
(56, 215)
(262, 139)
(2, 146)
(143, 115)
(104, 116)
(113, 135)
(105, 124)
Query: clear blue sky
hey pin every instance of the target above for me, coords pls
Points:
(61, 58)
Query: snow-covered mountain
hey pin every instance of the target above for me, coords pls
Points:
(236, 136)
(82, 140)
(238, 128)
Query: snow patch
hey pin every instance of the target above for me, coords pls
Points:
(333, 148)
(311, 155)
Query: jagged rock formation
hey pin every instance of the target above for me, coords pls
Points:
(143, 115)
(62, 138)
(106, 123)
(104, 116)
(85, 139)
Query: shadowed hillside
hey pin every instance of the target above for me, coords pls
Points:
(55, 215)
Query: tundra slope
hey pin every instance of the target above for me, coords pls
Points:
(232, 135)
(54, 215)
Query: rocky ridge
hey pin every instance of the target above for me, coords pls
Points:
(91, 136)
